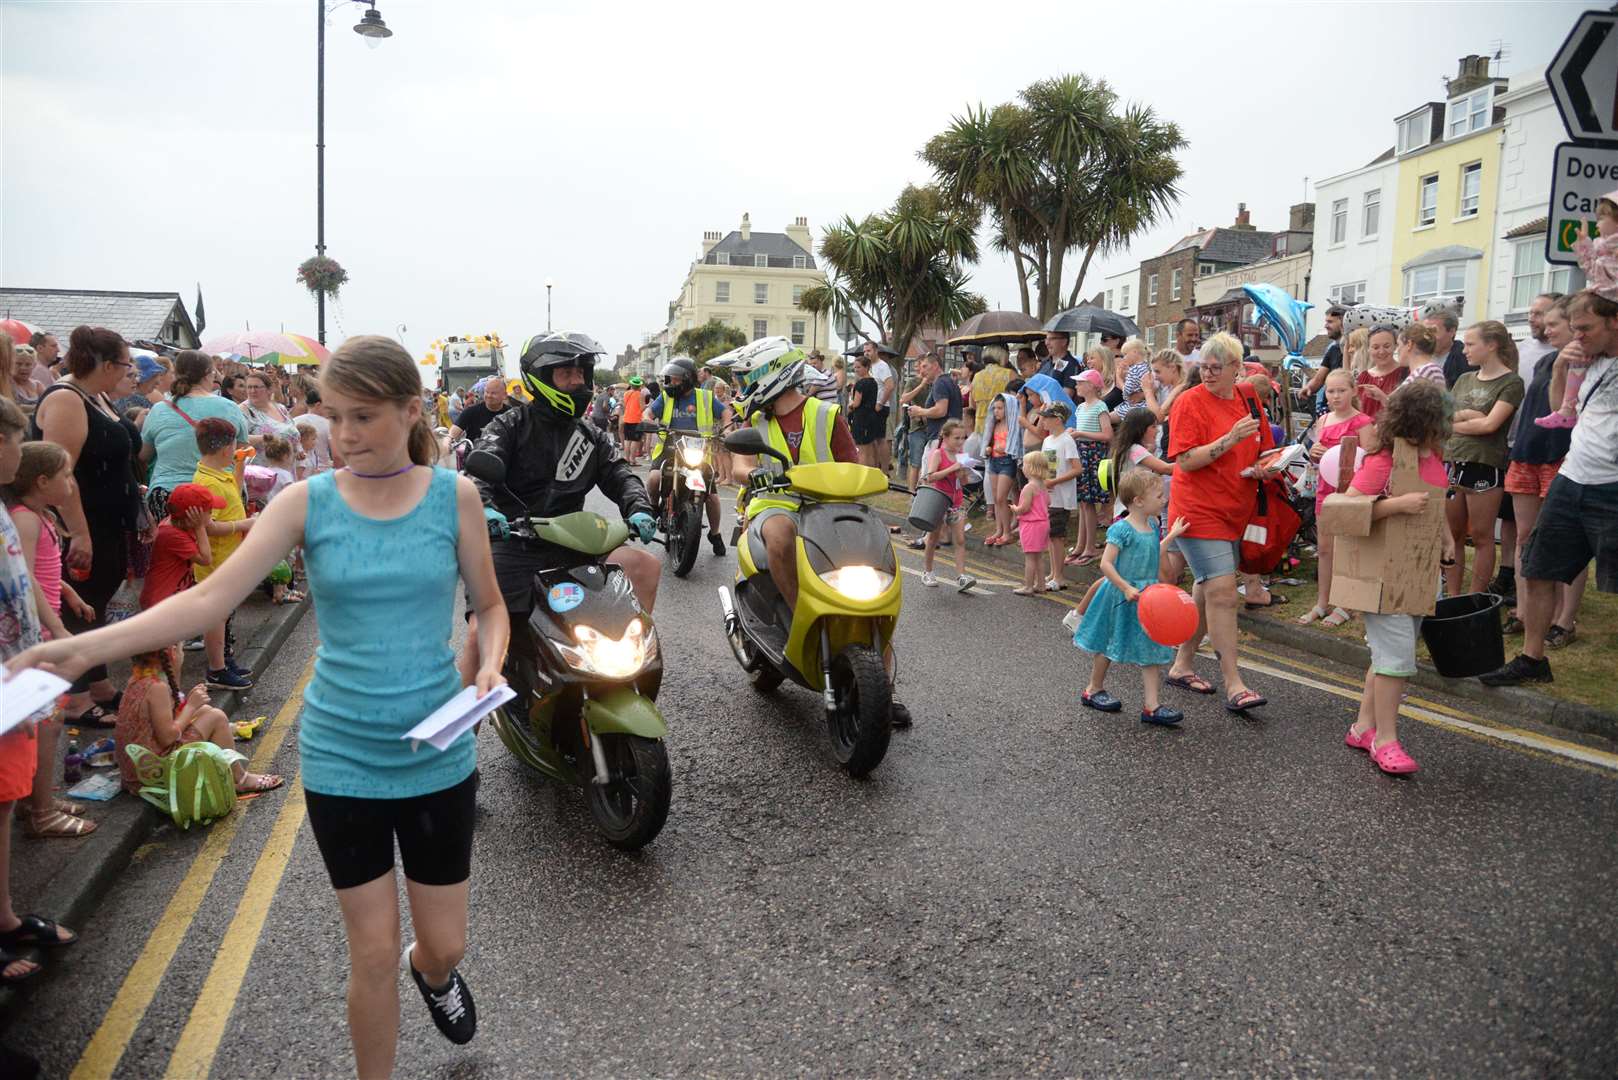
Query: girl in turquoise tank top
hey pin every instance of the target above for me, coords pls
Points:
(386, 540)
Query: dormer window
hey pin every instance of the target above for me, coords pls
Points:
(1469, 114)
(721, 258)
(761, 260)
(1415, 131)
(800, 262)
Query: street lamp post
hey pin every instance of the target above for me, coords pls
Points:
(373, 30)
(548, 284)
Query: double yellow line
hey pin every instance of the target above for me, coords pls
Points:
(199, 1042)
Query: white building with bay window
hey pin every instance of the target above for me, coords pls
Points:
(1519, 271)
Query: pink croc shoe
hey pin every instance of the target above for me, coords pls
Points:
(1556, 421)
(1392, 759)
(1362, 741)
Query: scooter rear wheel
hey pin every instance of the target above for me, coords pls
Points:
(630, 811)
(861, 722)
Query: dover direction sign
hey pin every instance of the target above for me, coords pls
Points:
(1584, 79)
(1583, 175)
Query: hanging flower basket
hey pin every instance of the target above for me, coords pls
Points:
(322, 275)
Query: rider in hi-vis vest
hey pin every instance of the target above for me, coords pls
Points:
(696, 414)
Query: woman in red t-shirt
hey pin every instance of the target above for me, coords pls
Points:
(1217, 431)
(1384, 374)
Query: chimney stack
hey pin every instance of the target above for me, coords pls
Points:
(1243, 219)
(1471, 73)
(1301, 217)
(747, 228)
(709, 241)
(798, 233)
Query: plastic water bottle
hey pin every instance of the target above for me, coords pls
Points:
(73, 764)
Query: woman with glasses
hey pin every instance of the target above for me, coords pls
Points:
(76, 413)
(263, 415)
(1218, 430)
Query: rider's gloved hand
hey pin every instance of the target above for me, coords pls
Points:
(499, 527)
(643, 525)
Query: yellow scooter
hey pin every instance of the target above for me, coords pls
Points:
(834, 639)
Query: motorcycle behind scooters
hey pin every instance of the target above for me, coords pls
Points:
(833, 640)
(586, 668)
(688, 478)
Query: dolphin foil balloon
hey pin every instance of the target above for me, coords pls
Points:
(1283, 312)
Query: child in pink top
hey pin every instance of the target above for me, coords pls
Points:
(45, 479)
(1032, 514)
(944, 474)
(1598, 259)
(1340, 420)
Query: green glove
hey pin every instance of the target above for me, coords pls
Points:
(643, 525)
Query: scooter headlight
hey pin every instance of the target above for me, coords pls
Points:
(858, 582)
(612, 658)
(692, 452)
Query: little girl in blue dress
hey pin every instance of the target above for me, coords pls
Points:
(1111, 626)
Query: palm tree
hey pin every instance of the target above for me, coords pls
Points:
(901, 269)
(1063, 170)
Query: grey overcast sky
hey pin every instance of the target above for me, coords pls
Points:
(487, 145)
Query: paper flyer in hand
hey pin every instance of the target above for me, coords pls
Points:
(26, 693)
(456, 715)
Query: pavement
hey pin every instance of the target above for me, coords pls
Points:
(1022, 888)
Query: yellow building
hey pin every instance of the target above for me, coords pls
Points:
(1448, 173)
(754, 281)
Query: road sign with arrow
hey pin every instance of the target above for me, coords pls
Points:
(1584, 78)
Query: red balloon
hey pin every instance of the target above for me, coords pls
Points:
(1167, 614)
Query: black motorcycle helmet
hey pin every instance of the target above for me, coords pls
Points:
(543, 353)
(679, 376)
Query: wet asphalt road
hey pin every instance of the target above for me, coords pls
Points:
(1022, 888)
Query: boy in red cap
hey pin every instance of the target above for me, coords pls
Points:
(181, 544)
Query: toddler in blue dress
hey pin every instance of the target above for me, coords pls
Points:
(1111, 627)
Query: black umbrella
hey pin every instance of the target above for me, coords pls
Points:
(1088, 319)
(997, 328)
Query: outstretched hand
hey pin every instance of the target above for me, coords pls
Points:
(61, 657)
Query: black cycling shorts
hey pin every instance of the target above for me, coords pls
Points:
(355, 836)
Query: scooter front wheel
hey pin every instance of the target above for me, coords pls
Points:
(631, 808)
(860, 721)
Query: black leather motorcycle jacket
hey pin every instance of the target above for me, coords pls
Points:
(553, 462)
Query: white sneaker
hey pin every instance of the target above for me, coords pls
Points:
(965, 582)
(928, 579)
(1052, 586)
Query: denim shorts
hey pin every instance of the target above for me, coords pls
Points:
(917, 442)
(1209, 559)
(1003, 466)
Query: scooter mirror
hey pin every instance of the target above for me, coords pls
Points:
(746, 441)
(487, 466)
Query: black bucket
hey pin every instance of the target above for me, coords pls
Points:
(1464, 635)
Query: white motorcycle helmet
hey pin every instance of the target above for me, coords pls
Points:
(756, 364)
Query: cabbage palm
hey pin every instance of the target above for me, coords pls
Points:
(1063, 170)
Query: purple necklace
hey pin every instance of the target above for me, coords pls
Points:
(380, 476)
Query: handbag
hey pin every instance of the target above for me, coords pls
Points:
(1270, 529)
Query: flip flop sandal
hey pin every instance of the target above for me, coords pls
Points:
(260, 783)
(1275, 600)
(38, 931)
(94, 717)
(1337, 618)
(7, 959)
(1244, 701)
(1194, 683)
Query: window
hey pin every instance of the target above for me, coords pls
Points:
(797, 295)
(1204, 269)
(1469, 113)
(761, 293)
(761, 260)
(1109, 299)
(1415, 131)
(1371, 215)
(1151, 289)
(1339, 220)
(800, 262)
(798, 326)
(761, 328)
(1439, 279)
(1532, 275)
(1471, 188)
(1123, 298)
(721, 292)
(1351, 293)
(1174, 284)
(1427, 203)
(721, 258)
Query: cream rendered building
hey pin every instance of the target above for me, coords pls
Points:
(753, 281)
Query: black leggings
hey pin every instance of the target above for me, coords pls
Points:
(109, 562)
(355, 836)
